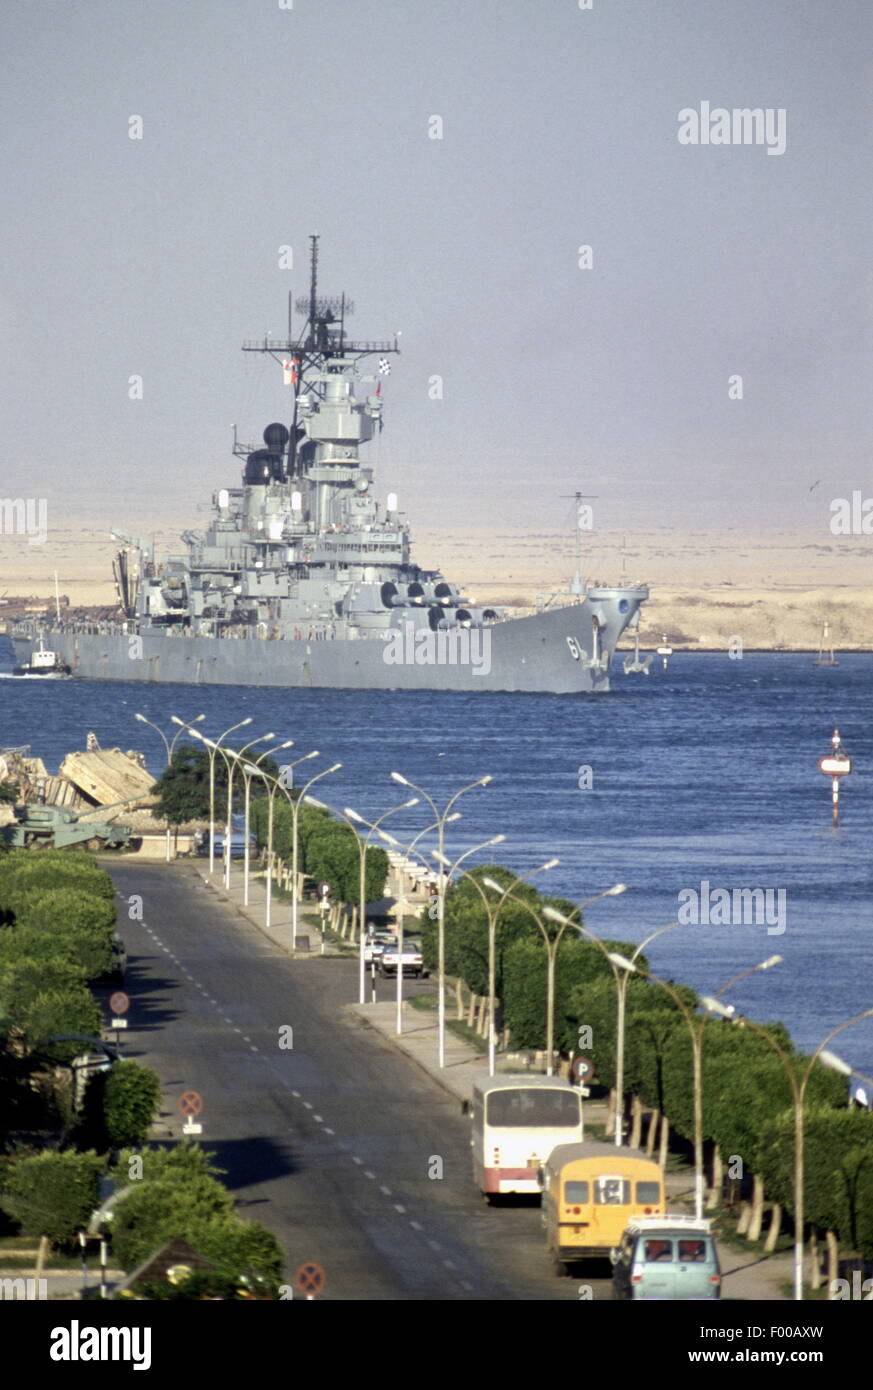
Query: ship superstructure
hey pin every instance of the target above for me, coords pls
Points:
(302, 577)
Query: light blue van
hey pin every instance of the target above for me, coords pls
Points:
(667, 1257)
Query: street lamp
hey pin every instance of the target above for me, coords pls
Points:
(213, 747)
(248, 770)
(274, 784)
(231, 767)
(295, 803)
(552, 944)
(621, 978)
(169, 745)
(441, 818)
(408, 851)
(696, 1033)
(828, 1059)
(363, 842)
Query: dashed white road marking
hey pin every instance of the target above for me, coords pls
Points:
(416, 1225)
(398, 1207)
(328, 1131)
(386, 1190)
(296, 1094)
(308, 1104)
(434, 1245)
(318, 1120)
(368, 1174)
(449, 1264)
(357, 1160)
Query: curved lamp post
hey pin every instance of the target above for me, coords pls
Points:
(213, 746)
(621, 977)
(274, 784)
(169, 744)
(492, 912)
(354, 818)
(696, 1026)
(250, 769)
(237, 754)
(295, 803)
(798, 1087)
(408, 850)
(441, 819)
(552, 943)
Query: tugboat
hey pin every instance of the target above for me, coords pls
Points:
(303, 578)
(46, 664)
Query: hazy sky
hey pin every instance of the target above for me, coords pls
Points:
(261, 124)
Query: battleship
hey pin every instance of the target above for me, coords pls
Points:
(304, 579)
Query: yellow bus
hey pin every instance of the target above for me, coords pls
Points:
(590, 1193)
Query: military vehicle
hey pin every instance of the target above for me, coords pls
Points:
(57, 827)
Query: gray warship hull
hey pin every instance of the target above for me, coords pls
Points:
(302, 578)
(560, 651)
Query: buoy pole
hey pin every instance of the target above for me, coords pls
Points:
(835, 765)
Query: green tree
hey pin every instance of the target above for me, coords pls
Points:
(578, 963)
(180, 1163)
(333, 856)
(72, 1009)
(183, 788)
(121, 1105)
(51, 1194)
(89, 959)
(838, 1170)
(187, 1202)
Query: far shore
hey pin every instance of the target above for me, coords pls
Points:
(768, 593)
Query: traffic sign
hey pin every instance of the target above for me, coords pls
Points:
(310, 1279)
(324, 889)
(119, 1002)
(583, 1069)
(191, 1103)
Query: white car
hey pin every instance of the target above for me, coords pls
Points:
(410, 959)
(375, 944)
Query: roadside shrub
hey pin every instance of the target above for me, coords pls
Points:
(72, 1009)
(51, 1194)
(121, 1105)
(152, 1212)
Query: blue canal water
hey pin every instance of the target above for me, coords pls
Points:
(705, 772)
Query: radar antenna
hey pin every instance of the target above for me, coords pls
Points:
(321, 342)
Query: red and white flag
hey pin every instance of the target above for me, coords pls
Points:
(289, 371)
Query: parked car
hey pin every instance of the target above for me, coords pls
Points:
(237, 845)
(667, 1257)
(375, 944)
(411, 962)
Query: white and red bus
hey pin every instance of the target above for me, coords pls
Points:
(517, 1121)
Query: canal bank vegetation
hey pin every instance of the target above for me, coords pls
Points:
(328, 850)
(748, 1099)
(73, 1116)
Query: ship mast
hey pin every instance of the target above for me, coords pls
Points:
(577, 585)
(322, 338)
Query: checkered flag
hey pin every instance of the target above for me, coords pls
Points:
(384, 366)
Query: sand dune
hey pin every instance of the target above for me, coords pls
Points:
(772, 590)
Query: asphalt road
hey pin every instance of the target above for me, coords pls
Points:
(329, 1143)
